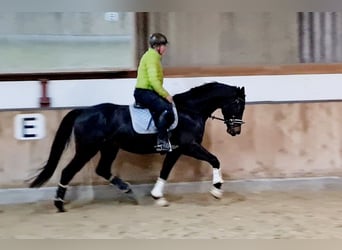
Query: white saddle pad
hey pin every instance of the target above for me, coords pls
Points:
(142, 120)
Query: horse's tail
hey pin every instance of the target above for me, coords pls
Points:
(60, 142)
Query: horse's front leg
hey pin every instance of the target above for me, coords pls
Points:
(199, 152)
(216, 189)
(158, 190)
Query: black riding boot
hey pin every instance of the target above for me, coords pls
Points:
(163, 142)
(164, 121)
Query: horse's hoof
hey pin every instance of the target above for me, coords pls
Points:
(217, 193)
(123, 186)
(160, 201)
(126, 190)
(59, 204)
(129, 191)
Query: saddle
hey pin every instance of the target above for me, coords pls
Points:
(142, 120)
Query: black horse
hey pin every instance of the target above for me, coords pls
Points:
(108, 127)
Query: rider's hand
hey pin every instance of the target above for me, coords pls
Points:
(169, 98)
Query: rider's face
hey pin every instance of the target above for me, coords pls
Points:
(162, 49)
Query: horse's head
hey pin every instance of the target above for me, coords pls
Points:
(232, 112)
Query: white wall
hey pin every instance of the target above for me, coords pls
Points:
(69, 93)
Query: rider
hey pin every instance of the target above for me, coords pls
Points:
(150, 93)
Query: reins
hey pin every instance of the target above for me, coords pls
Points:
(217, 118)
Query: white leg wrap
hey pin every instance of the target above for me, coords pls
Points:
(217, 176)
(59, 199)
(63, 186)
(158, 189)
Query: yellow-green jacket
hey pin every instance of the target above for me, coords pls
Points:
(150, 73)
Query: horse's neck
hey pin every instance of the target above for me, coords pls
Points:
(203, 108)
(207, 100)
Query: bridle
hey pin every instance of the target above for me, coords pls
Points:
(232, 122)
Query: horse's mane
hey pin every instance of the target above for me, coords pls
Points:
(203, 91)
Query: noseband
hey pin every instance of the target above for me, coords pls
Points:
(233, 122)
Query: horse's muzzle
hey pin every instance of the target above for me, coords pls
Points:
(234, 126)
(234, 130)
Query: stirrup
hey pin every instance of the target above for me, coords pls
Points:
(162, 148)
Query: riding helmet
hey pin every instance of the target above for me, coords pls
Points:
(157, 39)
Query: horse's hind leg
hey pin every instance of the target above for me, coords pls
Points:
(81, 157)
(108, 154)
